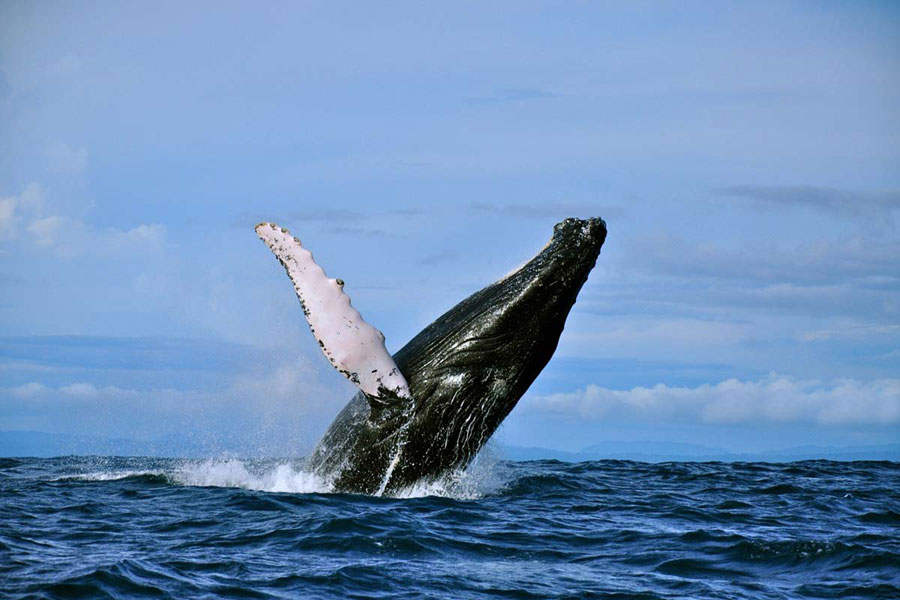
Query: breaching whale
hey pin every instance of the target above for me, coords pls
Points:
(430, 408)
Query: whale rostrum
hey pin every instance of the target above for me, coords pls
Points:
(431, 407)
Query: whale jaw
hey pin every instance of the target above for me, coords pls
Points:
(466, 372)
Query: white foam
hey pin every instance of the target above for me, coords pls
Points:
(483, 477)
(282, 477)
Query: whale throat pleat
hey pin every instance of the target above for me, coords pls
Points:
(353, 346)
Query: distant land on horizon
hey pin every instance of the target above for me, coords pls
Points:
(43, 444)
(684, 452)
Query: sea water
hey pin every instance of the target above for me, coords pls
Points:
(93, 527)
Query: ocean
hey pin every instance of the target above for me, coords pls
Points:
(101, 527)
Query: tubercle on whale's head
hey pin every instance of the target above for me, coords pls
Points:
(592, 229)
(571, 235)
(567, 259)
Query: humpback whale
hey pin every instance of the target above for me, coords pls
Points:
(428, 409)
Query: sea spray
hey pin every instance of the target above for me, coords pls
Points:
(265, 476)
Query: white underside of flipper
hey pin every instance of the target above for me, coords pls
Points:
(354, 347)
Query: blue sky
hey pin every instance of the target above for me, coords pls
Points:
(744, 156)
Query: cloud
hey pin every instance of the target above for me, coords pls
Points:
(337, 221)
(77, 389)
(345, 216)
(851, 332)
(28, 389)
(833, 200)
(281, 407)
(23, 217)
(16, 210)
(771, 261)
(142, 234)
(774, 399)
(7, 215)
(345, 222)
(89, 390)
(65, 236)
(437, 258)
(824, 282)
(547, 210)
(46, 232)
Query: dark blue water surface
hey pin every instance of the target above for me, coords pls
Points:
(82, 527)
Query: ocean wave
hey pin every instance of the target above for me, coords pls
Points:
(133, 527)
(146, 475)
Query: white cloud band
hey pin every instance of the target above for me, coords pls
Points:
(774, 399)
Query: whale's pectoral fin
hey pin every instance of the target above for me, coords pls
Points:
(354, 347)
(386, 405)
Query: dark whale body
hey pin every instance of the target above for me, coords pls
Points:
(466, 371)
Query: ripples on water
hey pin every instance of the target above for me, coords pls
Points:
(136, 527)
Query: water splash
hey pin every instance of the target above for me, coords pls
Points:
(284, 477)
(484, 477)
